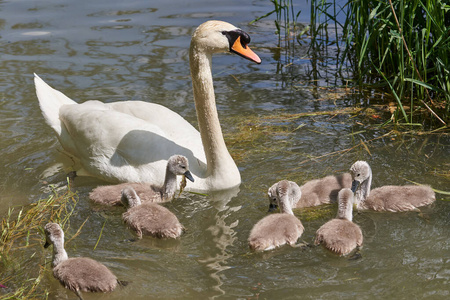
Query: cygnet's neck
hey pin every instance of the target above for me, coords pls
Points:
(363, 190)
(59, 253)
(170, 185)
(220, 166)
(285, 205)
(345, 209)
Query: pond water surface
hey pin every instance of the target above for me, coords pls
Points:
(138, 50)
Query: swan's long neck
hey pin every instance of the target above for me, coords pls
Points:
(220, 165)
(59, 253)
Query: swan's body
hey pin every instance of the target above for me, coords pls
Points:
(131, 141)
(111, 194)
(387, 198)
(149, 218)
(341, 235)
(79, 274)
(314, 192)
(277, 229)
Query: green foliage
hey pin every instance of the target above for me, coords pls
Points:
(401, 45)
(21, 232)
(406, 45)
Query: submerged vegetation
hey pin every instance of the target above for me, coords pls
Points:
(254, 135)
(399, 46)
(22, 228)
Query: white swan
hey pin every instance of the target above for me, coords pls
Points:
(130, 141)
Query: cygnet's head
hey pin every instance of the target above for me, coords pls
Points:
(179, 165)
(360, 171)
(287, 190)
(130, 198)
(272, 195)
(53, 234)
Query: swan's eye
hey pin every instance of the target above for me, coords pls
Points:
(233, 36)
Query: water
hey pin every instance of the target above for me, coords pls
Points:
(138, 50)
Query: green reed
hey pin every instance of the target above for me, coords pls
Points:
(404, 44)
(21, 233)
(401, 46)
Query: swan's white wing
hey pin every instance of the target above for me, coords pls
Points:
(115, 142)
(174, 126)
(50, 100)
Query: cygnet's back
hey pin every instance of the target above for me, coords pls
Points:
(86, 275)
(389, 197)
(78, 274)
(277, 229)
(324, 190)
(111, 194)
(315, 192)
(341, 235)
(399, 198)
(149, 218)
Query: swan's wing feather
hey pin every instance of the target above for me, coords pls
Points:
(118, 143)
(50, 100)
(171, 123)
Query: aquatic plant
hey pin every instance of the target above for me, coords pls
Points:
(406, 45)
(21, 233)
(400, 46)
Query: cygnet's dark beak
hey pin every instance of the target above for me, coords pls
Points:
(46, 244)
(355, 185)
(272, 207)
(188, 175)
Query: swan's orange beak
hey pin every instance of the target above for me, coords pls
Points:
(245, 51)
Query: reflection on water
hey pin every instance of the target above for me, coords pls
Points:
(222, 235)
(138, 51)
